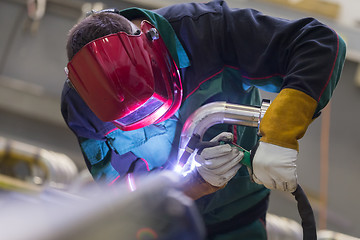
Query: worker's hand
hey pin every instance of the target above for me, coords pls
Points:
(275, 167)
(220, 163)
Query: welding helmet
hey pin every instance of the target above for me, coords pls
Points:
(129, 80)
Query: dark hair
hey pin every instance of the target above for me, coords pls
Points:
(92, 27)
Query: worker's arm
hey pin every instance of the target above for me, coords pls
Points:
(276, 54)
(268, 52)
(301, 60)
(195, 187)
(216, 166)
(284, 123)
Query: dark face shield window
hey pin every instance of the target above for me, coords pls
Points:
(146, 109)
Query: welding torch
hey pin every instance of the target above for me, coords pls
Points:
(221, 112)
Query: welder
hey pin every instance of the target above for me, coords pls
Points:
(135, 76)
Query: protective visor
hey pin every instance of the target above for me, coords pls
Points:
(130, 80)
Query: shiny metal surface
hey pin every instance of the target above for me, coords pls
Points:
(220, 112)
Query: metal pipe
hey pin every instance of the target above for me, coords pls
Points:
(220, 112)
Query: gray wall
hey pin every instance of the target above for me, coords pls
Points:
(32, 74)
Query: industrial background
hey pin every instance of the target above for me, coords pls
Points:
(32, 61)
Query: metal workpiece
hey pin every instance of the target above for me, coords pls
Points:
(221, 112)
(156, 210)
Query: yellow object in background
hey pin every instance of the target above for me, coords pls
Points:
(321, 7)
(12, 184)
(24, 167)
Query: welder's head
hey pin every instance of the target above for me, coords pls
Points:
(124, 74)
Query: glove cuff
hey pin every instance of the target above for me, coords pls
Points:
(287, 118)
(196, 187)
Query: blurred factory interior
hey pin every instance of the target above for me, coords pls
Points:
(33, 57)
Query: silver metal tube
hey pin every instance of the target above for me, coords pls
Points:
(220, 112)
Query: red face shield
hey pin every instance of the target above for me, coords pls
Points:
(130, 80)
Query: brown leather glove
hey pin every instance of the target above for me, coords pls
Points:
(195, 186)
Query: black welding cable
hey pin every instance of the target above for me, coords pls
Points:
(304, 208)
(306, 213)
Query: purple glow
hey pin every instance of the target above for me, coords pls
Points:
(131, 182)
